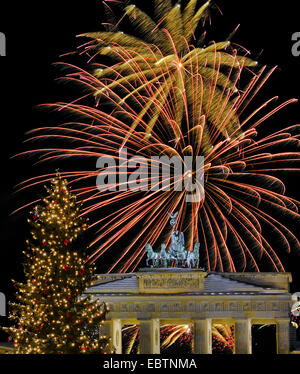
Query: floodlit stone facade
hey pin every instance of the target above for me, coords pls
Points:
(154, 296)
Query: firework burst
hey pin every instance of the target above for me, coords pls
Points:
(180, 337)
(240, 190)
(130, 339)
(242, 220)
(222, 338)
(163, 51)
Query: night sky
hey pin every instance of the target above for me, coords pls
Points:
(38, 33)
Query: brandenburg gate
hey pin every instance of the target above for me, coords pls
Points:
(155, 296)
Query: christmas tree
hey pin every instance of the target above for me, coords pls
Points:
(52, 316)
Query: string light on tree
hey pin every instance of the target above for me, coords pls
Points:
(51, 317)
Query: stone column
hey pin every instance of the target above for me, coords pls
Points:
(243, 340)
(202, 336)
(113, 329)
(149, 336)
(283, 336)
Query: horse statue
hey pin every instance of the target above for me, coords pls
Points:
(193, 257)
(181, 256)
(176, 253)
(151, 255)
(164, 256)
